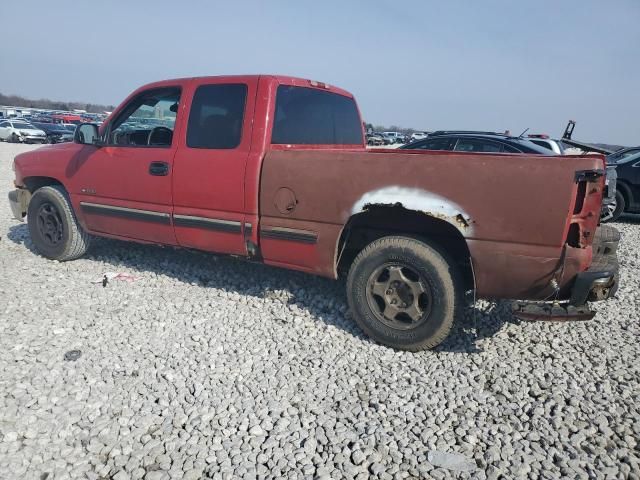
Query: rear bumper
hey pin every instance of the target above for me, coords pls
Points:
(600, 281)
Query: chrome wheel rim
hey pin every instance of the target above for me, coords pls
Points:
(610, 209)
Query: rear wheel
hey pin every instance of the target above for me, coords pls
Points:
(53, 226)
(620, 205)
(404, 293)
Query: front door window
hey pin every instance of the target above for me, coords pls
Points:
(147, 121)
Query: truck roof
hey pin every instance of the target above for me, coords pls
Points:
(276, 79)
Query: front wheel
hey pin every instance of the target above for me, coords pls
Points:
(53, 226)
(404, 293)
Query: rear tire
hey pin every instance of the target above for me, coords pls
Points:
(404, 293)
(54, 229)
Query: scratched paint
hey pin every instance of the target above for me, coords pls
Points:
(418, 200)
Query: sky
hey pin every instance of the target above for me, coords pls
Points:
(488, 65)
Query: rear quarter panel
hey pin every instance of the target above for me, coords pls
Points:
(513, 210)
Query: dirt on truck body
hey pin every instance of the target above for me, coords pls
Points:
(275, 169)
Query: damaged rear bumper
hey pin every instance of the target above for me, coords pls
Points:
(19, 202)
(599, 282)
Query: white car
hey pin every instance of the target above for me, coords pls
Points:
(19, 131)
(544, 141)
(418, 136)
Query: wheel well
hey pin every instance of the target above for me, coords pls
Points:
(381, 221)
(34, 183)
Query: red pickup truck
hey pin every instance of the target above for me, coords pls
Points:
(276, 169)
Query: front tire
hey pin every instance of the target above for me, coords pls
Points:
(54, 229)
(404, 293)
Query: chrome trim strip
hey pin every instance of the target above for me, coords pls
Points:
(124, 209)
(124, 212)
(290, 234)
(192, 221)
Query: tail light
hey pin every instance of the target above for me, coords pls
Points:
(586, 208)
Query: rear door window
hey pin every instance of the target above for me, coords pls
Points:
(216, 117)
(477, 145)
(442, 143)
(308, 116)
(510, 149)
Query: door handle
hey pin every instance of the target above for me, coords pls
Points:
(159, 169)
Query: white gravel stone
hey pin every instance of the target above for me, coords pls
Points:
(209, 367)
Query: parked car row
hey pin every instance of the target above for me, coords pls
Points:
(614, 202)
(21, 131)
(477, 142)
(390, 138)
(385, 138)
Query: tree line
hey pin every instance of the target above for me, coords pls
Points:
(18, 101)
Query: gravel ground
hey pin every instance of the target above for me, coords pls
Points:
(207, 367)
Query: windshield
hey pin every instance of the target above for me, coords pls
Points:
(632, 156)
(23, 126)
(619, 157)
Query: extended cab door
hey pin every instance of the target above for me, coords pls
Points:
(124, 187)
(208, 189)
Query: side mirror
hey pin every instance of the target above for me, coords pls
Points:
(87, 134)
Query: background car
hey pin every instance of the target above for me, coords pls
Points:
(544, 141)
(385, 139)
(394, 137)
(56, 133)
(19, 131)
(415, 136)
(374, 139)
(477, 142)
(620, 155)
(627, 165)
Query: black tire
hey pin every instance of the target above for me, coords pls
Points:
(621, 204)
(13, 138)
(53, 226)
(433, 270)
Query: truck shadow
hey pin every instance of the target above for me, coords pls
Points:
(322, 298)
